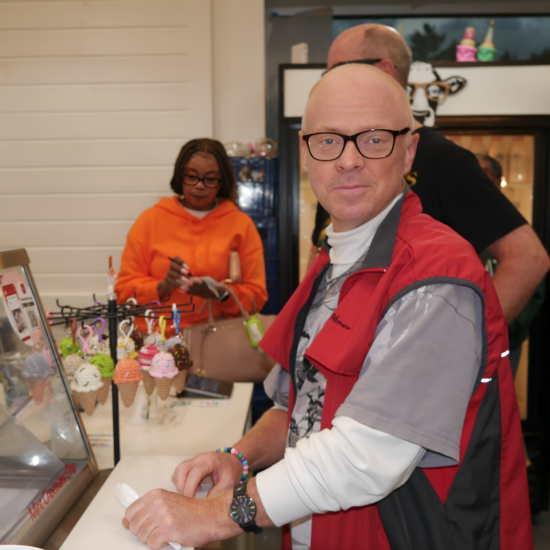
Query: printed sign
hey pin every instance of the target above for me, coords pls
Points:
(37, 507)
(20, 306)
(427, 90)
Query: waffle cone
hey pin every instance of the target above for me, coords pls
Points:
(163, 386)
(37, 387)
(148, 382)
(88, 401)
(128, 392)
(104, 391)
(179, 380)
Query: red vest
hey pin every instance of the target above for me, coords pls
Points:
(483, 501)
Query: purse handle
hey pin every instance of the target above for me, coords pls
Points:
(244, 314)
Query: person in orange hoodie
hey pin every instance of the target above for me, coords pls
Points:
(183, 238)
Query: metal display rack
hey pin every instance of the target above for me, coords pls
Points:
(114, 313)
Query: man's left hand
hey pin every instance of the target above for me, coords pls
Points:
(161, 517)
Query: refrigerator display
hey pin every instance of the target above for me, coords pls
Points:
(45, 459)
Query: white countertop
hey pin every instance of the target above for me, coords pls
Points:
(176, 427)
(101, 525)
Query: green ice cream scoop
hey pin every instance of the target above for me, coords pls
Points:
(68, 347)
(486, 54)
(105, 364)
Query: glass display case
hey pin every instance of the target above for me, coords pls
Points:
(45, 459)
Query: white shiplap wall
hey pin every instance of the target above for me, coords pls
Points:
(96, 99)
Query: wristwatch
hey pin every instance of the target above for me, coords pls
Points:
(243, 510)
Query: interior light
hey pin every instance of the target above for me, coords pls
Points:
(503, 182)
(35, 461)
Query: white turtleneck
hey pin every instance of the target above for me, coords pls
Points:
(348, 246)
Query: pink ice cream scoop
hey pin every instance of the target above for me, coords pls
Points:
(146, 355)
(163, 366)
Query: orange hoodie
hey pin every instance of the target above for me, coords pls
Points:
(204, 244)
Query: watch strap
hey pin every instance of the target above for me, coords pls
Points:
(252, 528)
(239, 490)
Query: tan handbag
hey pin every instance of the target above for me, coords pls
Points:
(222, 350)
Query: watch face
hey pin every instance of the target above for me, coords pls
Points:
(243, 510)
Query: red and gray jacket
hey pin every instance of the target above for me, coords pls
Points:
(482, 502)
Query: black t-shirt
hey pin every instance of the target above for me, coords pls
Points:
(454, 190)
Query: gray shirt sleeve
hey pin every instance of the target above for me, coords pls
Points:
(419, 374)
(277, 386)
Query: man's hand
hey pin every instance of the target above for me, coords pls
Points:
(225, 469)
(175, 278)
(161, 517)
(522, 263)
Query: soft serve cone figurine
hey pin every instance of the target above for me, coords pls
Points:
(466, 50)
(487, 50)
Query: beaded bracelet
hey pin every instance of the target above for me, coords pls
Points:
(240, 457)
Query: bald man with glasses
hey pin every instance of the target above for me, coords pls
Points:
(395, 423)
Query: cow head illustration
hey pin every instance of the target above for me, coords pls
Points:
(426, 90)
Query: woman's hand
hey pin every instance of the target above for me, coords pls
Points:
(197, 287)
(226, 470)
(175, 278)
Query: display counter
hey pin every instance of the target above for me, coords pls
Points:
(45, 459)
(175, 426)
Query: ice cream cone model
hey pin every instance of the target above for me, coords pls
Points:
(179, 380)
(137, 337)
(126, 347)
(487, 50)
(103, 347)
(163, 370)
(183, 362)
(37, 372)
(39, 388)
(466, 50)
(93, 342)
(106, 367)
(71, 363)
(146, 355)
(121, 350)
(86, 384)
(127, 377)
(68, 347)
(148, 381)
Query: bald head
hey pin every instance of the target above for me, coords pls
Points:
(376, 98)
(358, 178)
(372, 41)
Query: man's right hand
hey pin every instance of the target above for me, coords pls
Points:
(225, 469)
(175, 278)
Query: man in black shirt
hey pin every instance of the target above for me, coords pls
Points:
(451, 185)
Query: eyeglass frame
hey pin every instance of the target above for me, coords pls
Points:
(445, 85)
(362, 61)
(394, 133)
(200, 179)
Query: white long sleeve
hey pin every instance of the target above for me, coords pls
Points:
(348, 465)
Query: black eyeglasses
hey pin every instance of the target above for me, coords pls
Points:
(363, 61)
(212, 183)
(372, 144)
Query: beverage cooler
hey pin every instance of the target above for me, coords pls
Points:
(498, 109)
